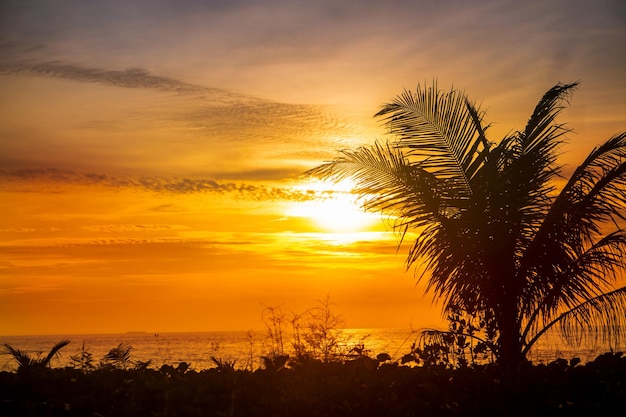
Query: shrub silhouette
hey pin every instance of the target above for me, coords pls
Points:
(351, 389)
(316, 334)
(82, 360)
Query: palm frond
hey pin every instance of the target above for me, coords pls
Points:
(444, 337)
(574, 279)
(528, 166)
(433, 337)
(120, 355)
(475, 158)
(598, 187)
(572, 258)
(541, 129)
(22, 358)
(592, 198)
(455, 267)
(54, 351)
(440, 131)
(386, 181)
(598, 319)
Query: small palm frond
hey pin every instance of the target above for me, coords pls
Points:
(589, 274)
(22, 358)
(473, 158)
(598, 187)
(541, 129)
(433, 337)
(54, 351)
(224, 365)
(599, 319)
(364, 165)
(120, 355)
(386, 181)
(443, 337)
(455, 267)
(442, 132)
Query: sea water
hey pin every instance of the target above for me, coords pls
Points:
(245, 349)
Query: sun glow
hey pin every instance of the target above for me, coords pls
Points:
(334, 208)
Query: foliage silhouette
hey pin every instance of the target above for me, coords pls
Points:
(321, 389)
(317, 333)
(313, 335)
(224, 365)
(26, 361)
(119, 356)
(82, 360)
(494, 234)
(469, 340)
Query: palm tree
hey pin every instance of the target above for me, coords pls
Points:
(494, 232)
(25, 361)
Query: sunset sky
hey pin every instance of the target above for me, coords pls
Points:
(151, 151)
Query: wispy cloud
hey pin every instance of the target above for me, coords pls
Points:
(131, 227)
(129, 78)
(271, 122)
(165, 208)
(204, 116)
(153, 184)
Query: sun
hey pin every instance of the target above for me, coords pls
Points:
(334, 208)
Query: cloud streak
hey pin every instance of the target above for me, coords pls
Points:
(207, 115)
(129, 78)
(153, 184)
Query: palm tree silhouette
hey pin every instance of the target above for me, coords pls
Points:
(495, 235)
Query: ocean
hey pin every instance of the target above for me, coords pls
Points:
(243, 348)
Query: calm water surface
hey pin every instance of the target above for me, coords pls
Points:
(244, 347)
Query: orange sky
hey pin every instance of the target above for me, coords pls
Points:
(151, 151)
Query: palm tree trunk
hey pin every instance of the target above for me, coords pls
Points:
(510, 341)
(510, 353)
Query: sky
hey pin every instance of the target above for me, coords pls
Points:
(152, 151)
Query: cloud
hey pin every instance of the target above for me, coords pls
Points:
(261, 174)
(153, 184)
(115, 228)
(166, 208)
(129, 78)
(266, 121)
(206, 115)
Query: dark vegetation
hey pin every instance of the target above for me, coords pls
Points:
(356, 387)
(311, 368)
